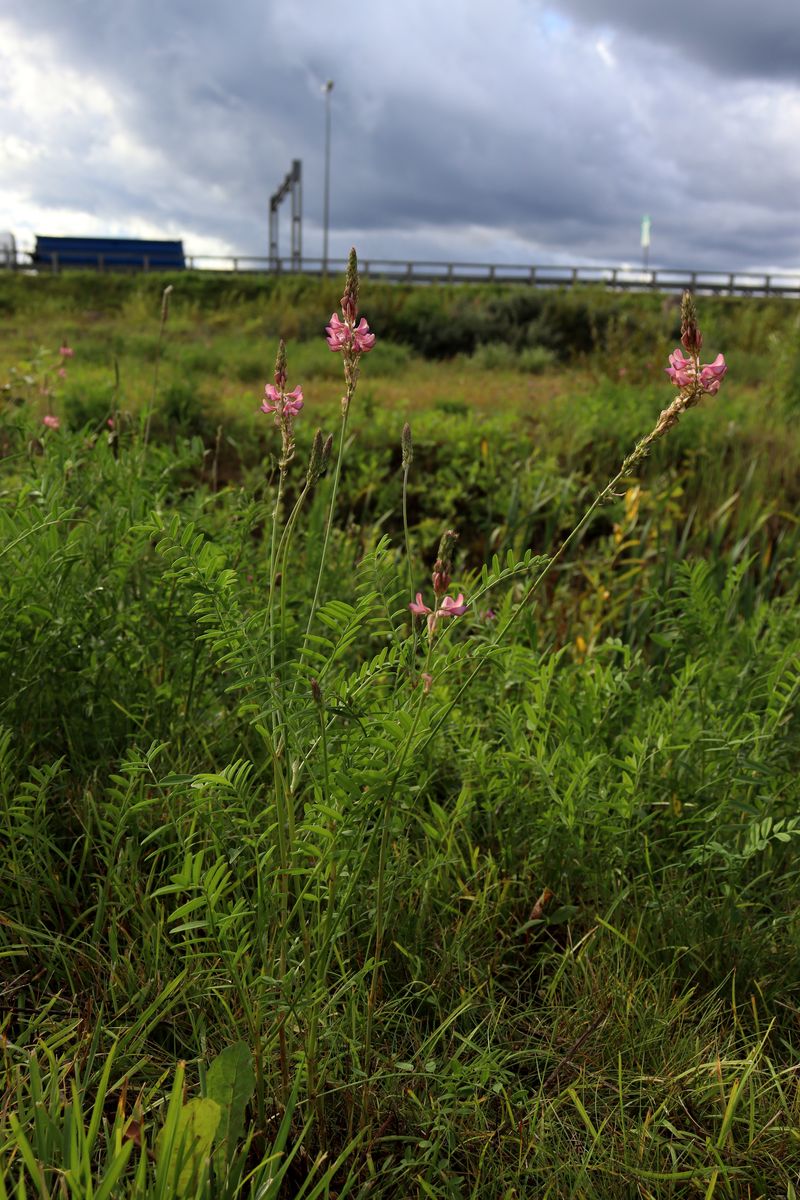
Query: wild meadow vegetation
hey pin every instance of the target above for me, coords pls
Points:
(341, 858)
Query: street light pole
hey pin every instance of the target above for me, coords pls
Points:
(328, 88)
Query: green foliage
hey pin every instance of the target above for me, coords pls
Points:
(296, 900)
(230, 1083)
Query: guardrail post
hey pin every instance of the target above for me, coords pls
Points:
(730, 284)
(54, 262)
(235, 264)
(449, 272)
(767, 284)
(533, 276)
(101, 262)
(693, 281)
(146, 262)
(574, 276)
(409, 270)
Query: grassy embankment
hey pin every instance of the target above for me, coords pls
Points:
(579, 874)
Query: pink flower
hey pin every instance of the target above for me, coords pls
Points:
(66, 351)
(363, 340)
(286, 403)
(418, 607)
(342, 335)
(293, 402)
(712, 374)
(684, 372)
(62, 373)
(271, 393)
(448, 608)
(51, 422)
(338, 333)
(680, 370)
(451, 607)
(110, 422)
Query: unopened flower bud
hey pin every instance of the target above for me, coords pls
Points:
(315, 459)
(447, 547)
(280, 366)
(326, 452)
(407, 446)
(444, 562)
(165, 302)
(440, 578)
(350, 296)
(316, 692)
(691, 337)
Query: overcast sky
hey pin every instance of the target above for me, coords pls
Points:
(482, 130)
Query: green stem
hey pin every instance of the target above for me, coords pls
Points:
(409, 559)
(334, 490)
(381, 882)
(151, 406)
(272, 557)
(285, 546)
(323, 954)
(540, 578)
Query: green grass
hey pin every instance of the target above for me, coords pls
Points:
(531, 931)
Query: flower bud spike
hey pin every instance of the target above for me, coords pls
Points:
(315, 459)
(280, 366)
(407, 446)
(350, 297)
(691, 337)
(443, 566)
(165, 302)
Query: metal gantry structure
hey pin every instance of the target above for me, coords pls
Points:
(292, 185)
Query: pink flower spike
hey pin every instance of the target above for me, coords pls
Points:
(62, 372)
(418, 606)
(66, 351)
(453, 608)
(51, 422)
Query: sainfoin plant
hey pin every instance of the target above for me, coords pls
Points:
(332, 886)
(321, 855)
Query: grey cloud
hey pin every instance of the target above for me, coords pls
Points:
(729, 36)
(491, 131)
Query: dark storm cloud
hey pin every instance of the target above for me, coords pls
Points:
(731, 37)
(461, 130)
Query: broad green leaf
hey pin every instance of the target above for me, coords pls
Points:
(231, 1082)
(193, 1137)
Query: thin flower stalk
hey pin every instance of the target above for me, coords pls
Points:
(380, 894)
(350, 337)
(284, 406)
(159, 347)
(693, 382)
